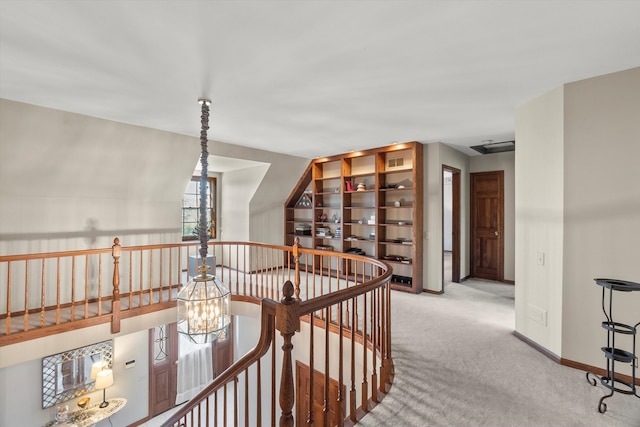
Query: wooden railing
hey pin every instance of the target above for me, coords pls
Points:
(332, 311)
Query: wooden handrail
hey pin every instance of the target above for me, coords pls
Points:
(344, 294)
(267, 321)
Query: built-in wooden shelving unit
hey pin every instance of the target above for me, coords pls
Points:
(368, 202)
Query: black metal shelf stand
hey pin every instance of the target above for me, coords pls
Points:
(613, 353)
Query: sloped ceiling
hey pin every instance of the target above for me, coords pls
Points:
(310, 78)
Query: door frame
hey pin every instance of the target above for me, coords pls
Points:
(455, 223)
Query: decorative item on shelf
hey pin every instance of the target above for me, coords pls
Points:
(103, 381)
(349, 185)
(396, 203)
(361, 187)
(403, 280)
(323, 217)
(305, 201)
(335, 219)
(204, 303)
(323, 232)
(84, 402)
(303, 230)
(397, 258)
(337, 190)
(356, 251)
(62, 414)
(324, 247)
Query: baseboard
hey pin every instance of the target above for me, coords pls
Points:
(429, 291)
(599, 371)
(571, 363)
(551, 355)
(509, 282)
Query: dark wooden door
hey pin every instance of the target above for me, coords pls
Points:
(222, 351)
(487, 225)
(302, 397)
(163, 368)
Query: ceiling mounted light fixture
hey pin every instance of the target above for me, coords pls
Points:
(203, 304)
(490, 147)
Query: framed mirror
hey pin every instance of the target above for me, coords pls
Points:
(68, 375)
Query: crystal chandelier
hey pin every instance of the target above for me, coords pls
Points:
(203, 304)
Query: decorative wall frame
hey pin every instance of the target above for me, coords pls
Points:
(67, 375)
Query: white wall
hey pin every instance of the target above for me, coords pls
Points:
(502, 162)
(70, 182)
(578, 203)
(21, 370)
(266, 208)
(601, 209)
(436, 155)
(539, 219)
(238, 190)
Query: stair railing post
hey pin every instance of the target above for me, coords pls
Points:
(115, 302)
(287, 322)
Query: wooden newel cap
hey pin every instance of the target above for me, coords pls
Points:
(116, 248)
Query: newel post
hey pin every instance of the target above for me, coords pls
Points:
(115, 302)
(287, 322)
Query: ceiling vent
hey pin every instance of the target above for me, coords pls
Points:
(490, 147)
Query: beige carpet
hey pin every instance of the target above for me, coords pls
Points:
(458, 364)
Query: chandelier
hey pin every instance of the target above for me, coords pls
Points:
(203, 304)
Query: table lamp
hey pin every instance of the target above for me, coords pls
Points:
(97, 367)
(104, 379)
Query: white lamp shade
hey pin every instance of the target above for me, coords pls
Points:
(97, 367)
(104, 379)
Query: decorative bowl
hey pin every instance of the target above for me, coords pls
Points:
(84, 402)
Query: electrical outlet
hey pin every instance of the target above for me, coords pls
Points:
(540, 258)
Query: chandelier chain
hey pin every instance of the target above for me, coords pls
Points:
(204, 120)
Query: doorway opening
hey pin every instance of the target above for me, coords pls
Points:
(450, 225)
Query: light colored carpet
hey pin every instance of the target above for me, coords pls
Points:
(457, 363)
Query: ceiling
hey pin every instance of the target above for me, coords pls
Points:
(310, 78)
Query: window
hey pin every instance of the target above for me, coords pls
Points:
(191, 209)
